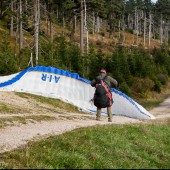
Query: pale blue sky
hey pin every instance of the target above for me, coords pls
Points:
(154, 1)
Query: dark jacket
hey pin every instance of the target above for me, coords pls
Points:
(111, 82)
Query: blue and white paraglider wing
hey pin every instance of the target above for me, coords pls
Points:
(69, 87)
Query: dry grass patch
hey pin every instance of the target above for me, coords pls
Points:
(55, 103)
(4, 108)
(15, 120)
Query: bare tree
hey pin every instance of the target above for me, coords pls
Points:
(12, 20)
(63, 24)
(144, 30)
(36, 27)
(20, 31)
(93, 27)
(98, 24)
(16, 37)
(161, 31)
(75, 24)
(167, 32)
(123, 29)
(150, 27)
(137, 27)
(81, 29)
(119, 29)
(85, 25)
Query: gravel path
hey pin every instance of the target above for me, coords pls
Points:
(163, 111)
(13, 137)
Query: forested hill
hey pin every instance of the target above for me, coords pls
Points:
(129, 38)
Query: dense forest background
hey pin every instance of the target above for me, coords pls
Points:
(130, 39)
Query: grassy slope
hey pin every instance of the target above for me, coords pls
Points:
(112, 146)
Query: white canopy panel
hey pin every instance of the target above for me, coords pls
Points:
(71, 88)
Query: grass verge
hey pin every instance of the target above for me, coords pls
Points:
(153, 99)
(10, 121)
(137, 146)
(51, 101)
(8, 109)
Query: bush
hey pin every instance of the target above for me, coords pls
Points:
(142, 85)
(8, 61)
(102, 34)
(124, 88)
(162, 78)
(99, 43)
(129, 30)
(157, 87)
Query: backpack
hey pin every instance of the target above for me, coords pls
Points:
(102, 96)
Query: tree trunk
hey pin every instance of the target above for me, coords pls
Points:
(137, 27)
(110, 25)
(150, 27)
(81, 29)
(98, 24)
(154, 34)
(36, 27)
(63, 24)
(119, 29)
(161, 31)
(144, 31)
(132, 24)
(128, 25)
(123, 30)
(85, 24)
(166, 32)
(75, 24)
(12, 20)
(20, 32)
(93, 23)
(16, 36)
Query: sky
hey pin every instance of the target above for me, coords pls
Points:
(154, 1)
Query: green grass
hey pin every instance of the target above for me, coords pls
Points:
(12, 120)
(137, 146)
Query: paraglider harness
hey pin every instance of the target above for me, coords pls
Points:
(102, 96)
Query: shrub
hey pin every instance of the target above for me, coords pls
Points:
(124, 88)
(162, 78)
(157, 87)
(102, 34)
(142, 85)
(129, 30)
(99, 43)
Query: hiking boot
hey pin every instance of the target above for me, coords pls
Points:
(109, 120)
(97, 118)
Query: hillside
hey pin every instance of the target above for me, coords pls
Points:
(100, 40)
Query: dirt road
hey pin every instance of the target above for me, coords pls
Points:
(18, 134)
